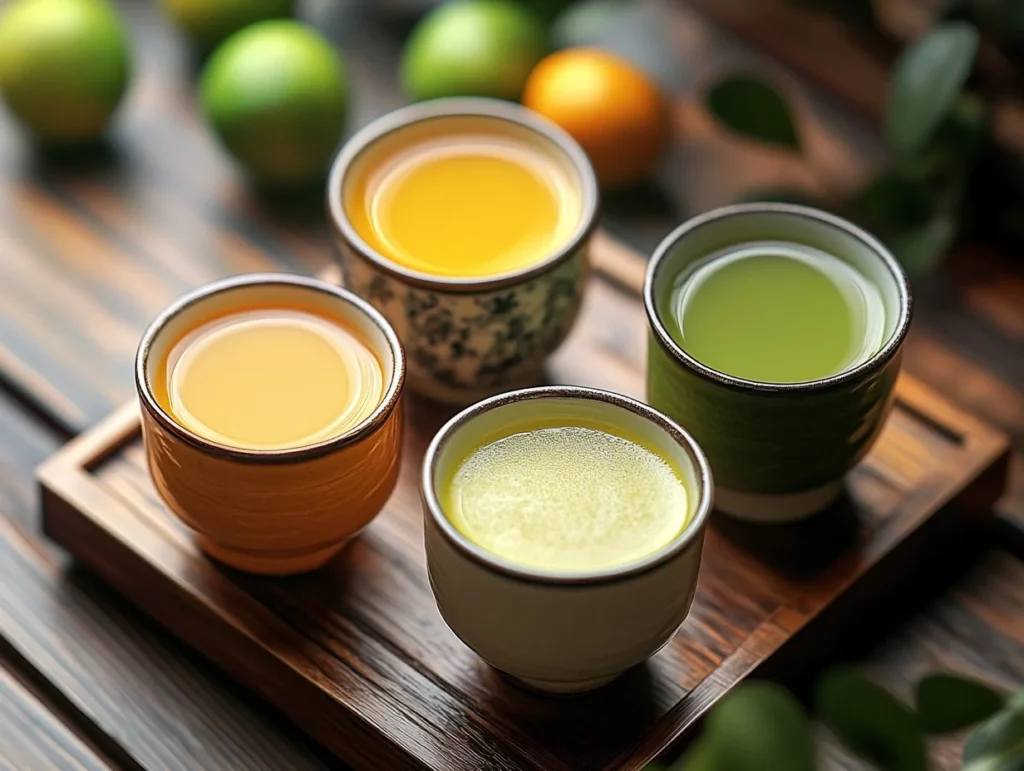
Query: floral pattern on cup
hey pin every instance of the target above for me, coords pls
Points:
(462, 346)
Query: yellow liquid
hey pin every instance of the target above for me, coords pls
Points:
(465, 205)
(270, 379)
(566, 498)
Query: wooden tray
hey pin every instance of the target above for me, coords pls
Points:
(358, 656)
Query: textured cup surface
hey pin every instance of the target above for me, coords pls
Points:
(779, 451)
(467, 338)
(273, 511)
(563, 632)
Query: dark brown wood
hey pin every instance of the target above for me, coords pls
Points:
(137, 694)
(358, 656)
(973, 628)
(31, 737)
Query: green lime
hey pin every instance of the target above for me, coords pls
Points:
(64, 66)
(208, 22)
(473, 48)
(276, 95)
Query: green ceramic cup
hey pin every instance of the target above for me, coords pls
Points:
(778, 451)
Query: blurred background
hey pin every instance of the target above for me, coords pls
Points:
(149, 146)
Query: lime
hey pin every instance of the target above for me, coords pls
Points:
(473, 48)
(208, 22)
(64, 66)
(276, 95)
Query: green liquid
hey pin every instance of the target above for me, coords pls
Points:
(566, 498)
(776, 312)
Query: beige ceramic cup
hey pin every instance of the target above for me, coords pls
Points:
(273, 511)
(467, 338)
(562, 632)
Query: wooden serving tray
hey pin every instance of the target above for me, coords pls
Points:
(358, 656)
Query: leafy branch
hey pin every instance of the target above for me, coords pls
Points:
(760, 726)
(938, 136)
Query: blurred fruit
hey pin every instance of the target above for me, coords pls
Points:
(473, 48)
(614, 110)
(276, 95)
(208, 22)
(64, 66)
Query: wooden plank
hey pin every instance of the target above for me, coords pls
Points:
(32, 737)
(358, 656)
(138, 693)
(973, 628)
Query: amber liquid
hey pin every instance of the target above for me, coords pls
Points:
(270, 379)
(464, 204)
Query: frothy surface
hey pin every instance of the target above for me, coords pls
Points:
(568, 498)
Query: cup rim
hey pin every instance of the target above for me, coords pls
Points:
(496, 564)
(879, 359)
(374, 421)
(404, 117)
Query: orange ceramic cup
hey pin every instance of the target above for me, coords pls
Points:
(273, 512)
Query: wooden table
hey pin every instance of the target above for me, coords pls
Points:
(91, 248)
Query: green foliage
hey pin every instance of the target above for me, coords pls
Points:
(998, 745)
(754, 109)
(761, 727)
(926, 81)
(871, 721)
(948, 703)
(933, 188)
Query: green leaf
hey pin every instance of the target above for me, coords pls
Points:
(892, 200)
(926, 81)
(998, 745)
(697, 758)
(870, 721)
(922, 248)
(758, 727)
(949, 703)
(753, 108)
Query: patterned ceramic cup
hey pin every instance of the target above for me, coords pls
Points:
(779, 451)
(273, 511)
(562, 632)
(467, 338)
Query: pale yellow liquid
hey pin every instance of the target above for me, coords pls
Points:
(271, 378)
(568, 498)
(465, 205)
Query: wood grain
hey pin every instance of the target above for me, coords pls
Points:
(140, 695)
(31, 737)
(358, 656)
(974, 628)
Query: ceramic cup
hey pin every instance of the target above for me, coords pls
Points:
(467, 338)
(273, 511)
(779, 451)
(562, 632)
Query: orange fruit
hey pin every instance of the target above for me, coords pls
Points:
(614, 110)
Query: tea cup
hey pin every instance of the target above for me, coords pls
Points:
(563, 631)
(274, 511)
(779, 451)
(468, 337)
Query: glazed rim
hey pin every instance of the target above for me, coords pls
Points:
(534, 575)
(457, 108)
(370, 424)
(880, 357)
